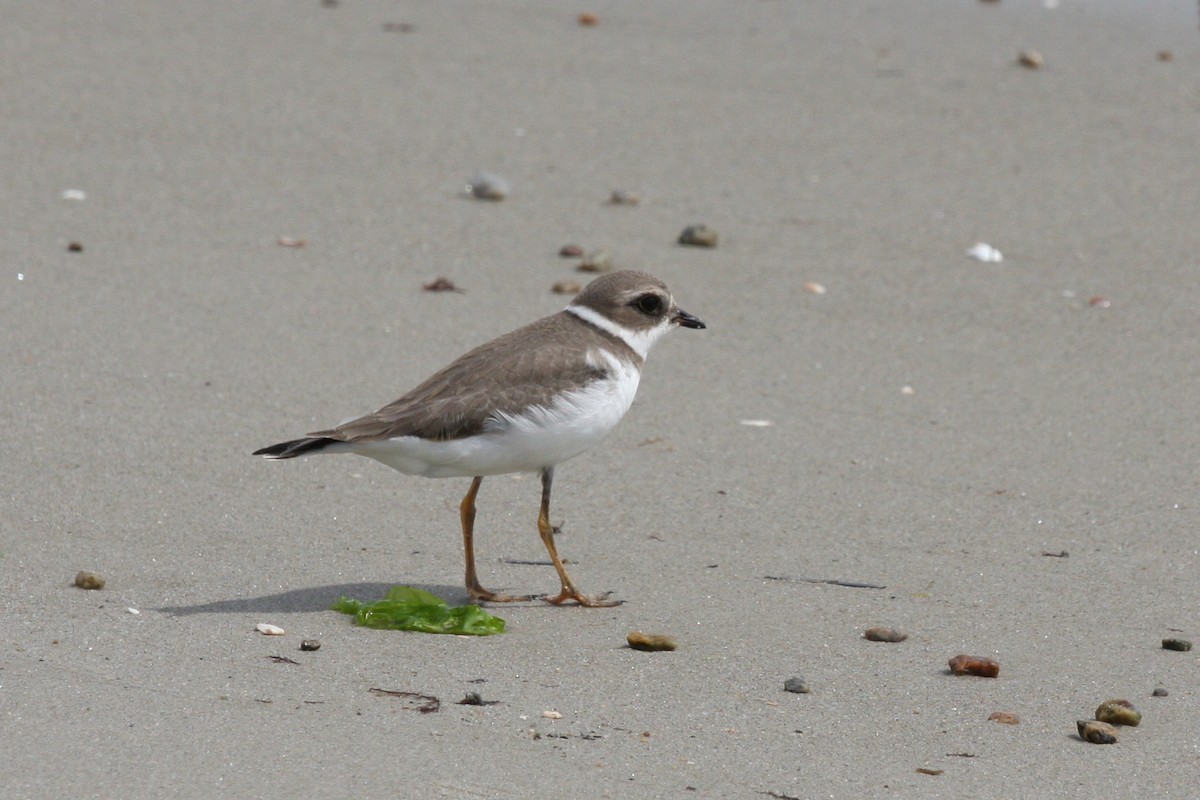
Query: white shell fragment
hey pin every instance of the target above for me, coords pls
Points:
(552, 714)
(134, 611)
(486, 186)
(74, 194)
(985, 253)
(756, 423)
(812, 287)
(267, 629)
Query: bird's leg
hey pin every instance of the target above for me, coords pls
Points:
(466, 512)
(569, 592)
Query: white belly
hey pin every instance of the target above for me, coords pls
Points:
(540, 437)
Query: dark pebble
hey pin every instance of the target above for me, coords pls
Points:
(882, 634)
(1096, 732)
(310, 645)
(796, 685)
(75, 247)
(570, 251)
(698, 236)
(1182, 645)
(88, 580)
(1159, 692)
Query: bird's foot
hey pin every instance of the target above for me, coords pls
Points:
(597, 601)
(478, 594)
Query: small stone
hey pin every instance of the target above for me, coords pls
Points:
(1165, 56)
(267, 629)
(1099, 302)
(441, 284)
(1181, 645)
(882, 634)
(588, 20)
(289, 241)
(623, 198)
(570, 251)
(796, 685)
(74, 194)
(974, 665)
(1005, 717)
(552, 714)
(985, 253)
(1030, 59)
(486, 186)
(596, 261)
(310, 645)
(812, 287)
(1159, 692)
(1096, 732)
(88, 580)
(1118, 712)
(698, 236)
(650, 642)
(567, 287)
(75, 247)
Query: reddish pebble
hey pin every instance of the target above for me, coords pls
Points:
(1099, 302)
(975, 665)
(441, 285)
(570, 251)
(588, 20)
(1006, 717)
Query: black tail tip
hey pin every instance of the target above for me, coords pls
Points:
(296, 447)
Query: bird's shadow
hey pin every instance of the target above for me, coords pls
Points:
(313, 598)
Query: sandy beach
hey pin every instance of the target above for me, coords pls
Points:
(218, 221)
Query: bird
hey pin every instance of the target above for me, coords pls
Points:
(524, 402)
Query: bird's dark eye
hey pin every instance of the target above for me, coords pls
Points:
(649, 304)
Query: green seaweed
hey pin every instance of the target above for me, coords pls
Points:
(409, 609)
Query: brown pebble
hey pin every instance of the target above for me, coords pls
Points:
(1006, 717)
(1096, 732)
(1165, 56)
(88, 580)
(75, 247)
(1159, 692)
(441, 285)
(588, 20)
(1181, 645)
(570, 251)
(1118, 712)
(928, 771)
(1099, 302)
(974, 665)
(1030, 59)
(310, 645)
(596, 261)
(567, 287)
(650, 641)
(882, 634)
(698, 236)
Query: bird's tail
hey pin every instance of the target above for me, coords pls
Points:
(296, 447)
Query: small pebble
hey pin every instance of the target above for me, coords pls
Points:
(1118, 712)
(267, 629)
(974, 665)
(570, 251)
(1099, 302)
(1182, 645)
(650, 642)
(310, 645)
(75, 247)
(1030, 59)
(552, 714)
(74, 194)
(440, 284)
(133, 611)
(1165, 56)
(981, 251)
(1005, 717)
(698, 236)
(596, 261)
(1096, 732)
(882, 634)
(1159, 692)
(812, 287)
(288, 241)
(588, 20)
(567, 287)
(621, 198)
(486, 186)
(88, 580)
(797, 686)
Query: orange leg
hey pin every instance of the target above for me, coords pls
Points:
(569, 592)
(466, 512)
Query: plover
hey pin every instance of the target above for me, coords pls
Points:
(524, 402)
